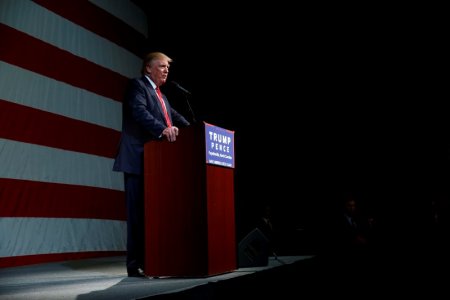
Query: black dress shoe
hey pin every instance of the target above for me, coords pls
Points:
(137, 273)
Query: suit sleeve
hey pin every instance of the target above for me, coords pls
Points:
(178, 119)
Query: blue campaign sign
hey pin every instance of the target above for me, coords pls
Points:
(219, 146)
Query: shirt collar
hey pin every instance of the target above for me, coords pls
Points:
(151, 82)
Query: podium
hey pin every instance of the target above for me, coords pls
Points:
(189, 209)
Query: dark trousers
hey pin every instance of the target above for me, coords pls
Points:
(134, 193)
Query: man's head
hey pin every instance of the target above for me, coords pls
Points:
(156, 65)
(350, 206)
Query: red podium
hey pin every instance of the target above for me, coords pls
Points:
(189, 209)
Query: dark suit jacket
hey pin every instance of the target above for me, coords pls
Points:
(143, 120)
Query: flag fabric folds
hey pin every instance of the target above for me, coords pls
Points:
(64, 66)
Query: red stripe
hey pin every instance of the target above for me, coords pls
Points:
(20, 49)
(14, 261)
(97, 20)
(30, 125)
(24, 198)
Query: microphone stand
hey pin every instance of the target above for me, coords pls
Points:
(186, 96)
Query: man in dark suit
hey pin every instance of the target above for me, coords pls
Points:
(352, 228)
(147, 115)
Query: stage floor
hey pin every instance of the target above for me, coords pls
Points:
(105, 278)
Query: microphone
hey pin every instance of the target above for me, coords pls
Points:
(180, 87)
(186, 94)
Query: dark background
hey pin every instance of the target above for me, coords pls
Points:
(325, 101)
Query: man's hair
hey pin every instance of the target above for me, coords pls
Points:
(149, 58)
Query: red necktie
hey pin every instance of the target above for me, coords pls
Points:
(161, 100)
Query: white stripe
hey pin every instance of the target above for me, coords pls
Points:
(30, 236)
(25, 161)
(127, 11)
(31, 89)
(32, 19)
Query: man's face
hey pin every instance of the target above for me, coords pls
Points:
(350, 207)
(158, 71)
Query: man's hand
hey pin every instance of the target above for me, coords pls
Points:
(170, 133)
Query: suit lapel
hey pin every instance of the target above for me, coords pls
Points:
(154, 98)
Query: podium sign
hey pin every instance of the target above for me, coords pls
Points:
(219, 144)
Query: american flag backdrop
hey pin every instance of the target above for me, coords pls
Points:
(63, 70)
